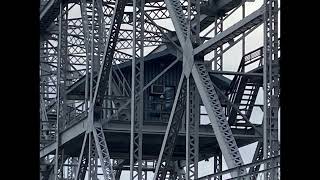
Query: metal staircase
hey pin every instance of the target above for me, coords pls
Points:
(244, 89)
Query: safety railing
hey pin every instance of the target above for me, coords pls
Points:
(247, 59)
(75, 114)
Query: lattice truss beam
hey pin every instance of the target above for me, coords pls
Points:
(137, 84)
(271, 86)
(94, 156)
(220, 125)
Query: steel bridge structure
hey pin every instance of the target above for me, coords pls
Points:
(125, 85)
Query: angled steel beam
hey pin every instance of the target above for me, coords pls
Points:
(103, 152)
(237, 109)
(172, 130)
(232, 43)
(178, 19)
(258, 156)
(83, 160)
(252, 20)
(217, 117)
(112, 37)
(58, 94)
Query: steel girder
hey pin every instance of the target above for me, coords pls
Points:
(218, 63)
(98, 147)
(60, 86)
(258, 156)
(102, 85)
(103, 153)
(217, 117)
(206, 90)
(47, 127)
(271, 86)
(220, 126)
(192, 129)
(137, 84)
(180, 23)
(252, 20)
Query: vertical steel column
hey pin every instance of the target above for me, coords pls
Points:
(85, 24)
(188, 130)
(176, 115)
(218, 164)
(97, 144)
(69, 168)
(97, 35)
(94, 40)
(93, 159)
(91, 91)
(65, 65)
(108, 103)
(189, 104)
(137, 113)
(75, 161)
(197, 18)
(271, 85)
(83, 160)
(58, 96)
(46, 74)
(90, 155)
(218, 63)
(243, 35)
(192, 129)
(61, 164)
(94, 124)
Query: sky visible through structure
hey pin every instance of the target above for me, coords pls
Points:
(231, 60)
